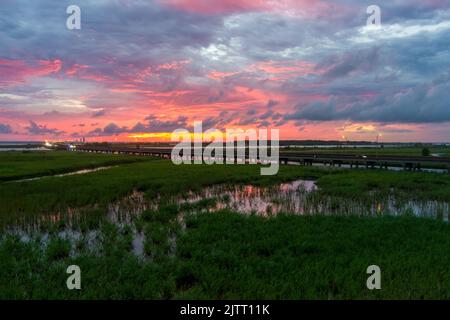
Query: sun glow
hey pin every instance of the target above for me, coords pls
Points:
(167, 136)
(153, 135)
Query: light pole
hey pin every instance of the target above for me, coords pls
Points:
(379, 135)
(345, 140)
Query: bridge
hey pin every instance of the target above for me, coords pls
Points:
(369, 161)
(303, 158)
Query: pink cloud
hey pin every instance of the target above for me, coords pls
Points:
(214, 7)
(175, 65)
(75, 69)
(13, 72)
(270, 70)
(303, 8)
(85, 72)
(283, 70)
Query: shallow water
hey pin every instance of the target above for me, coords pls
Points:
(304, 197)
(300, 197)
(138, 243)
(297, 197)
(83, 171)
(90, 239)
(252, 199)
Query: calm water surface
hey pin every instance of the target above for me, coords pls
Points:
(300, 197)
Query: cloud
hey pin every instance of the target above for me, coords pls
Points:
(398, 31)
(349, 63)
(13, 72)
(226, 62)
(151, 125)
(37, 129)
(5, 128)
(111, 129)
(98, 113)
(297, 8)
(272, 103)
(426, 103)
(155, 125)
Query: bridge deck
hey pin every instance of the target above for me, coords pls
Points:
(306, 158)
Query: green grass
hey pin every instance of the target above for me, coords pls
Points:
(413, 185)
(27, 164)
(230, 256)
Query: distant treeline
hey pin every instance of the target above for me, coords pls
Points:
(24, 146)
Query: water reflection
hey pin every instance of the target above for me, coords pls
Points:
(83, 171)
(303, 197)
(300, 197)
(123, 211)
(247, 199)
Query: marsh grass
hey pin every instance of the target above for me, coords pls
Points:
(26, 165)
(227, 255)
(89, 196)
(231, 256)
(221, 255)
(29, 201)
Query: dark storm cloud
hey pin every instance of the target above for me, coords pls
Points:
(337, 67)
(420, 104)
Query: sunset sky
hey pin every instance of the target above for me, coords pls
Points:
(143, 68)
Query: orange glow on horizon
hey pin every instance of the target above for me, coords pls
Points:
(207, 136)
(167, 136)
(153, 135)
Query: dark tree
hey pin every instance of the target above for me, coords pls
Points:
(426, 152)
